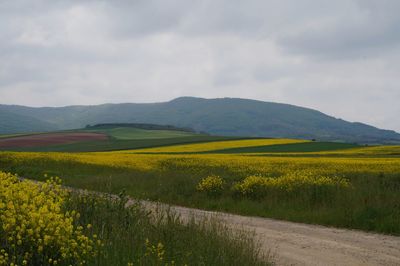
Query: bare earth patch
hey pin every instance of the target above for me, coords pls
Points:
(47, 139)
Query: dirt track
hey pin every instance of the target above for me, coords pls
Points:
(303, 244)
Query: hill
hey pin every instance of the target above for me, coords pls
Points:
(18, 123)
(224, 116)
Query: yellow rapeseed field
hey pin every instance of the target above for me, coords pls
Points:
(346, 185)
(218, 145)
(205, 164)
(242, 165)
(369, 151)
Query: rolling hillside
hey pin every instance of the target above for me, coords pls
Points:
(18, 123)
(225, 116)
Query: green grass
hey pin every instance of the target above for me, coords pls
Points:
(125, 231)
(129, 133)
(116, 144)
(280, 148)
(293, 147)
(6, 136)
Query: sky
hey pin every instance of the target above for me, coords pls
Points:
(341, 57)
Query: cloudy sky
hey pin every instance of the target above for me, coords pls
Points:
(341, 57)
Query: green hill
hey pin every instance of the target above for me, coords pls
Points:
(225, 116)
(11, 123)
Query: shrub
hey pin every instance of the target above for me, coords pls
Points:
(296, 180)
(258, 186)
(252, 187)
(34, 229)
(213, 185)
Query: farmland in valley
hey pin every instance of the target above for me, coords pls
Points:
(102, 138)
(336, 184)
(328, 183)
(48, 139)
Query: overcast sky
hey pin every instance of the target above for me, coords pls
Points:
(340, 57)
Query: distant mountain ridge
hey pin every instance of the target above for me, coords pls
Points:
(222, 116)
(18, 123)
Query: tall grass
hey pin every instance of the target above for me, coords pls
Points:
(134, 236)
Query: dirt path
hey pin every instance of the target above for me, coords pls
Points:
(304, 244)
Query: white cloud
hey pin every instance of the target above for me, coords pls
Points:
(340, 57)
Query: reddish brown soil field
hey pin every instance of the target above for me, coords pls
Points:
(40, 140)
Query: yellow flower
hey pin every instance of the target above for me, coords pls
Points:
(33, 221)
(213, 185)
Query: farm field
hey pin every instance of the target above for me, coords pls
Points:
(116, 144)
(218, 145)
(11, 135)
(251, 146)
(352, 188)
(102, 139)
(125, 133)
(48, 139)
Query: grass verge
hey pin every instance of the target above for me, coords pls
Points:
(44, 224)
(133, 235)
